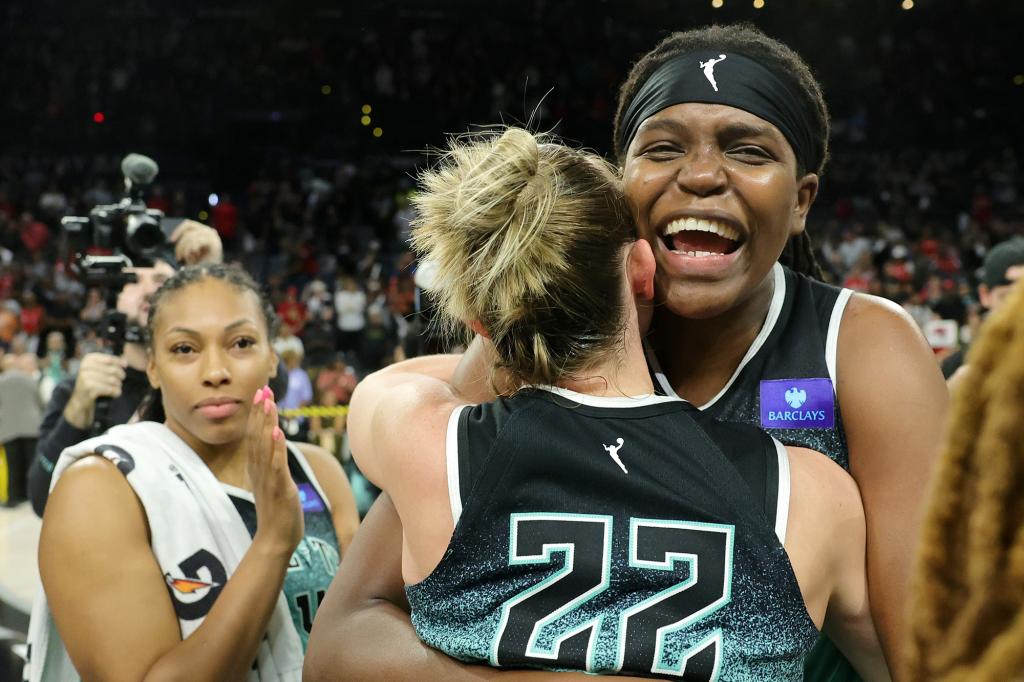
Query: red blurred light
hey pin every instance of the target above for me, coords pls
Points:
(98, 117)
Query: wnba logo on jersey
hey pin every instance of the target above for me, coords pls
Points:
(797, 404)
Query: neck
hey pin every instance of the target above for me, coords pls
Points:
(699, 356)
(226, 461)
(135, 356)
(619, 374)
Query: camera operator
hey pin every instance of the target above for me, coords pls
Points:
(70, 411)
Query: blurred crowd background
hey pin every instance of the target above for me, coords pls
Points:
(295, 131)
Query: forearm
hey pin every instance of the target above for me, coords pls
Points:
(225, 645)
(406, 658)
(79, 413)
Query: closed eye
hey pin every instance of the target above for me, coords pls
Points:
(749, 151)
(661, 150)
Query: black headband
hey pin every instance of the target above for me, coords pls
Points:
(728, 78)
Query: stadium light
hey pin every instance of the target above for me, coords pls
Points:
(907, 4)
(717, 3)
(758, 4)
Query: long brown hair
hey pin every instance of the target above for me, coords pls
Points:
(967, 598)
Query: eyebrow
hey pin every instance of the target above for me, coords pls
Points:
(230, 327)
(730, 131)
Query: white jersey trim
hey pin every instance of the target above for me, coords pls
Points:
(451, 450)
(610, 401)
(782, 499)
(778, 298)
(832, 339)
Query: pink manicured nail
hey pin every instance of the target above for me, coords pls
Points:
(267, 395)
(277, 434)
(266, 406)
(270, 393)
(258, 397)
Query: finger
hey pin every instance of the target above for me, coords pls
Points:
(279, 456)
(183, 227)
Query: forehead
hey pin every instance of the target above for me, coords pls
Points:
(700, 117)
(210, 303)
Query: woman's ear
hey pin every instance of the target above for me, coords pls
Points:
(478, 328)
(806, 191)
(640, 269)
(151, 374)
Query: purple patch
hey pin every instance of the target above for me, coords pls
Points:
(309, 498)
(797, 404)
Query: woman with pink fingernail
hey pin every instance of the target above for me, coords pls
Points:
(202, 541)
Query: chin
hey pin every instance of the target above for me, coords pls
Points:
(700, 301)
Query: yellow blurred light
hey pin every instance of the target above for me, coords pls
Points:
(907, 4)
(717, 3)
(377, 132)
(325, 89)
(1018, 79)
(758, 4)
(203, 215)
(365, 120)
(367, 109)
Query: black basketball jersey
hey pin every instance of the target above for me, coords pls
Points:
(786, 382)
(612, 534)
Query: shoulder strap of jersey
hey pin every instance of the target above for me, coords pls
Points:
(755, 455)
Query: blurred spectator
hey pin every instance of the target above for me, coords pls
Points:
(337, 379)
(378, 344)
(320, 338)
(292, 312)
(21, 412)
(350, 304)
(1003, 267)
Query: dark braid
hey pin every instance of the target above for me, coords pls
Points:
(151, 408)
(748, 40)
(798, 255)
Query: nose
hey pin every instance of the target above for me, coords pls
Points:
(215, 369)
(702, 172)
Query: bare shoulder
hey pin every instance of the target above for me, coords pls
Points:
(880, 320)
(827, 492)
(92, 483)
(92, 500)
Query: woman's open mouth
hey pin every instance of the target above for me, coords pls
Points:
(700, 238)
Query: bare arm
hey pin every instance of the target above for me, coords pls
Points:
(366, 606)
(109, 598)
(335, 485)
(894, 404)
(110, 601)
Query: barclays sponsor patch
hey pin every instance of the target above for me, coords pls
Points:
(797, 404)
(311, 502)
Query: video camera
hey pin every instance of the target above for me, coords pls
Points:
(127, 227)
(135, 236)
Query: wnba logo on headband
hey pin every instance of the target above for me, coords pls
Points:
(740, 82)
(709, 70)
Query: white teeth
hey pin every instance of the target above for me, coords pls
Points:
(699, 225)
(697, 254)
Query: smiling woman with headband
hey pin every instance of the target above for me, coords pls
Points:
(722, 134)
